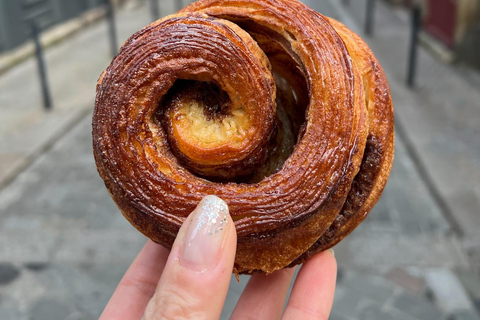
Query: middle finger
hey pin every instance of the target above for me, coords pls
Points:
(264, 296)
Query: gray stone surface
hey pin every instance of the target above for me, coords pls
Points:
(73, 68)
(8, 273)
(334, 316)
(441, 114)
(64, 236)
(375, 311)
(10, 311)
(448, 290)
(471, 283)
(464, 315)
(50, 308)
(374, 288)
(417, 307)
(348, 303)
(413, 284)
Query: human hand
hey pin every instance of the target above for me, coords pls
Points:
(192, 280)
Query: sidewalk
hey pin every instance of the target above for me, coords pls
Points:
(438, 124)
(65, 246)
(73, 67)
(440, 117)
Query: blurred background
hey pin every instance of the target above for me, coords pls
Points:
(64, 246)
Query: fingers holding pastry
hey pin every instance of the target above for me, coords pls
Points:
(137, 285)
(264, 296)
(313, 291)
(195, 280)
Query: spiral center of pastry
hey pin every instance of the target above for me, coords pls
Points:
(241, 130)
(201, 114)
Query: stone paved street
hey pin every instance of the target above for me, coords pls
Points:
(65, 246)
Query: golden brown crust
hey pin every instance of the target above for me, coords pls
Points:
(154, 148)
(378, 157)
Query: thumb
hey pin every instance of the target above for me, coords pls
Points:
(195, 280)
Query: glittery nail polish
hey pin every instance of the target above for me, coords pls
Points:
(205, 234)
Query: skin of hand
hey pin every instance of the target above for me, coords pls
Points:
(191, 281)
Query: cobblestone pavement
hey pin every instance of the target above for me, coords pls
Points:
(65, 246)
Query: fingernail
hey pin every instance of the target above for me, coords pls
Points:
(331, 251)
(205, 234)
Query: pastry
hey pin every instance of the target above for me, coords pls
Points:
(283, 113)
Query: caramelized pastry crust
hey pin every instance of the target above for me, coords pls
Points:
(283, 113)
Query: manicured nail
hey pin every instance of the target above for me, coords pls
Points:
(331, 251)
(205, 234)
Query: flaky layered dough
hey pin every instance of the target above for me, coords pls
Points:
(283, 113)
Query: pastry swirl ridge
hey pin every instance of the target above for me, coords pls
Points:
(283, 113)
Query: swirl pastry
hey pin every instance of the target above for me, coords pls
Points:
(283, 113)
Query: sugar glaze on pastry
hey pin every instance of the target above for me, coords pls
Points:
(280, 111)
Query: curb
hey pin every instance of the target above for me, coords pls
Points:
(49, 38)
(435, 48)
